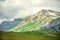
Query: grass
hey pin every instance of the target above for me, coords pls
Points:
(27, 36)
(28, 27)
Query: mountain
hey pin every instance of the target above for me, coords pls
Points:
(6, 25)
(42, 20)
(53, 26)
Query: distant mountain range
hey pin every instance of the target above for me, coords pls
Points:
(6, 25)
(44, 20)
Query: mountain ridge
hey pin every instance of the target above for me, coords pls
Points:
(6, 25)
(36, 21)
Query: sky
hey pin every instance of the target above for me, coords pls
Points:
(10, 9)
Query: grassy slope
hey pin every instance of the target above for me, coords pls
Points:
(29, 27)
(33, 25)
(27, 36)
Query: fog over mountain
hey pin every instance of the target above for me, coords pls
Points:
(11, 9)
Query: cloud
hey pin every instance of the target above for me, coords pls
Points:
(2, 0)
(9, 10)
(46, 3)
(21, 8)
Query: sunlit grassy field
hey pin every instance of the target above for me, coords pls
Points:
(28, 36)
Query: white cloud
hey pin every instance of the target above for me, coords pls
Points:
(21, 8)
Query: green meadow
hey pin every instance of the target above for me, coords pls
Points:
(35, 35)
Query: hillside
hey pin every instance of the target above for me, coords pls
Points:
(6, 25)
(38, 21)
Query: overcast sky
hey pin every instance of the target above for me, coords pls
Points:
(21, 8)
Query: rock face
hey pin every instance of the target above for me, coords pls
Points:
(43, 20)
(55, 24)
